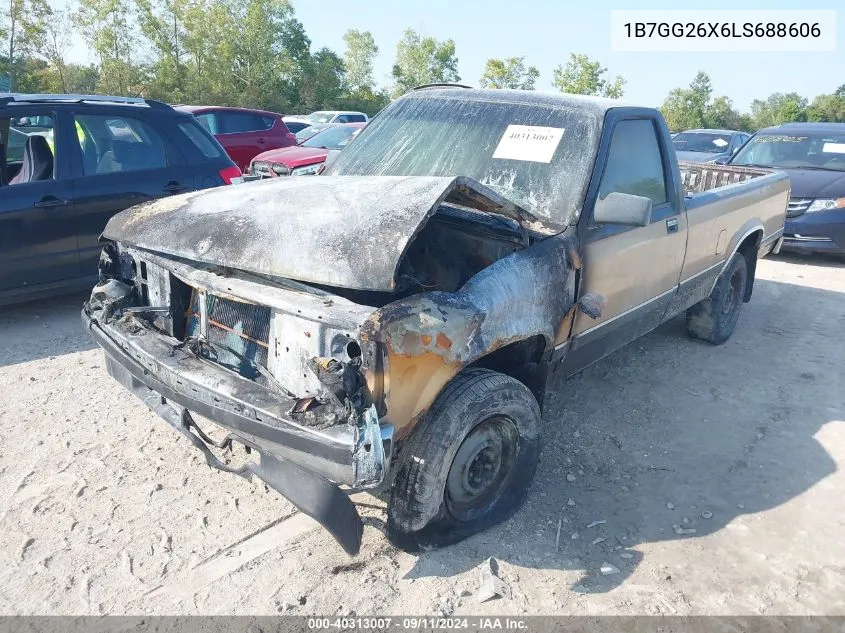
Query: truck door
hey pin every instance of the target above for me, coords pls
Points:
(636, 269)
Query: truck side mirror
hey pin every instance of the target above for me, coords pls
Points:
(623, 208)
(723, 160)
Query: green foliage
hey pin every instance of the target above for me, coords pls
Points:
(358, 58)
(828, 107)
(20, 33)
(109, 30)
(509, 73)
(423, 60)
(255, 53)
(694, 107)
(779, 108)
(583, 76)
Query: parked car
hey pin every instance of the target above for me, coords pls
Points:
(337, 116)
(705, 146)
(306, 133)
(242, 132)
(296, 123)
(395, 320)
(307, 157)
(813, 154)
(89, 158)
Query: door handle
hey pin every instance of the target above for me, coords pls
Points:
(260, 140)
(672, 225)
(174, 187)
(50, 201)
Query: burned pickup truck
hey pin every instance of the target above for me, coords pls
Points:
(392, 324)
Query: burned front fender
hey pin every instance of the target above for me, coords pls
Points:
(429, 338)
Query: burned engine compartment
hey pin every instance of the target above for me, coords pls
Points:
(455, 244)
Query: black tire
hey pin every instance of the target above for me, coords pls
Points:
(468, 464)
(714, 319)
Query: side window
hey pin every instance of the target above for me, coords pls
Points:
(355, 118)
(342, 118)
(29, 147)
(209, 121)
(634, 162)
(239, 122)
(118, 144)
(200, 139)
(268, 122)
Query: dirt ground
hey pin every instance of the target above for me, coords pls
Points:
(105, 509)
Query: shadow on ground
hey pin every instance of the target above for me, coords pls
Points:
(669, 428)
(41, 329)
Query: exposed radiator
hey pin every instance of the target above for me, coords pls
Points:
(237, 332)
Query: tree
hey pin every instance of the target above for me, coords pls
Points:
(583, 76)
(20, 32)
(423, 60)
(358, 58)
(830, 108)
(509, 73)
(325, 81)
(53, 42)
(109, 30)
(263, 63)
(779, 108)
(163, 23)
(695, 107)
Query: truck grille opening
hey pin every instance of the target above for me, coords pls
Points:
(237, 332)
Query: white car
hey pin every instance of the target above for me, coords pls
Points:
(336, 116)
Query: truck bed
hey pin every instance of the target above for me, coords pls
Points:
(698, 177)
(724, 205)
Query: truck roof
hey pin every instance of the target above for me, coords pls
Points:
(833, 128)
(599, 105)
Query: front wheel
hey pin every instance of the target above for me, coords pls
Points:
(469, 463)
(714, 318)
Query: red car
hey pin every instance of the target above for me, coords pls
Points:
(242, 132)
(305, 158)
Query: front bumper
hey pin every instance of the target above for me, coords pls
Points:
(299, 462)
(818, 232)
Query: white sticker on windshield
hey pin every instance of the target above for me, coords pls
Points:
(833, 148)
(720, 142)
(529, 142)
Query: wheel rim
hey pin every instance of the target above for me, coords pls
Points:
(733, 295)
(482, 468)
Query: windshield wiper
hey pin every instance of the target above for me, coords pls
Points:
(811, 167)
(751, 165)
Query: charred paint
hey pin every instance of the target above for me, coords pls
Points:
(430, 337)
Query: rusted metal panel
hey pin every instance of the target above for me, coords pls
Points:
(430, 337)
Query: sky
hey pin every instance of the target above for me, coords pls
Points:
(545, 32)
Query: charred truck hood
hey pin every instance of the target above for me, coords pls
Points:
(341, 231)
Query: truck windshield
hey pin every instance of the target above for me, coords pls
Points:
(701, 142)
(537, 156)
(813, 150)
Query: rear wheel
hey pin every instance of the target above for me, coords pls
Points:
(469, 463)
(714, 318)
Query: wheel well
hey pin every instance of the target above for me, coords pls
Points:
(523, 360)
(748, 249)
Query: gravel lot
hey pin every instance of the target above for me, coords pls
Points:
(104, 509)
